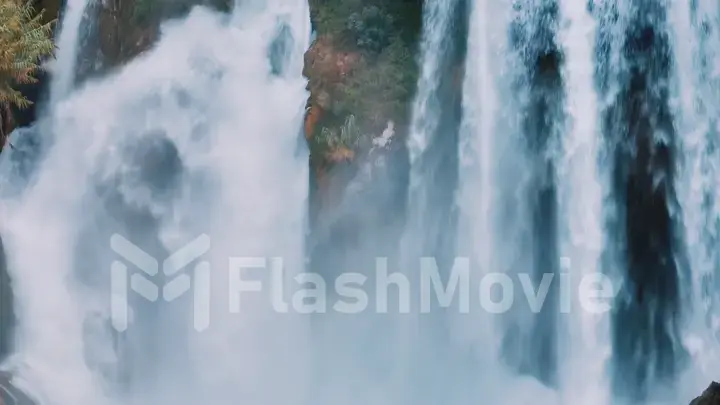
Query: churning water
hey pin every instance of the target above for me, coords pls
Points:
(200, 135)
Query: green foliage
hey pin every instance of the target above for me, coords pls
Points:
(330, 16)
(384, 33)
(24, 41)
(371, 28)
(380, 88)
(381, 82)
(367, 24)
(349, 136)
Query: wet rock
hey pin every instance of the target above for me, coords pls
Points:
(19, 161)
(12, 395)
(711, 395)
(7, 312)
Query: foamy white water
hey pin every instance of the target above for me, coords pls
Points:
(586, 347)
(258, 356)
(209, 89)
(697, 62)
(478, 168)
(63, 76)
(437, 19)
(492, 209)
(435, 43)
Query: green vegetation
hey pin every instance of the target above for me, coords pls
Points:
(365, 22)
(347, 137)
(24, 41)
(380, 88)
(381, 81)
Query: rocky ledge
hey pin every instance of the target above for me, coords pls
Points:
(10, 394)
(711, 396)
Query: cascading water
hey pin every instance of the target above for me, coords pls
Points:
(432, 144)
(200, 136)
(638, 124)
(530, 339)
(697, 59)
(585, 346)
(28, 143)
(496, 195)
(67, 44)
(477, 196)
(566, 162)
(614, 179)
(437, 37)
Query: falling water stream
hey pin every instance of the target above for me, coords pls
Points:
(67, 44)
(199, 136)
(596, 147)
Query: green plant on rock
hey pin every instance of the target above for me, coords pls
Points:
(340, 143)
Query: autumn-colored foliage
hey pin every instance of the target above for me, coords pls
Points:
(24, 41)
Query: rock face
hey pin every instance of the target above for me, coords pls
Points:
(711, 396)
(10, 394)
(7, 313)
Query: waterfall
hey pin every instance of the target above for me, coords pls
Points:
(575, 141)
(622, 142)
(478, 170)
(67, 44)
(432, 146)
(697, 58)
(432, 140)
(530, 341)
(197, 141)
(638, 125)
(477, 186)
(502, 146)
(550, 181)
(436, 39)
(582, 178)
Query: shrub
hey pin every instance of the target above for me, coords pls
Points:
(380, 88)
(330, 16)
(371, 28)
